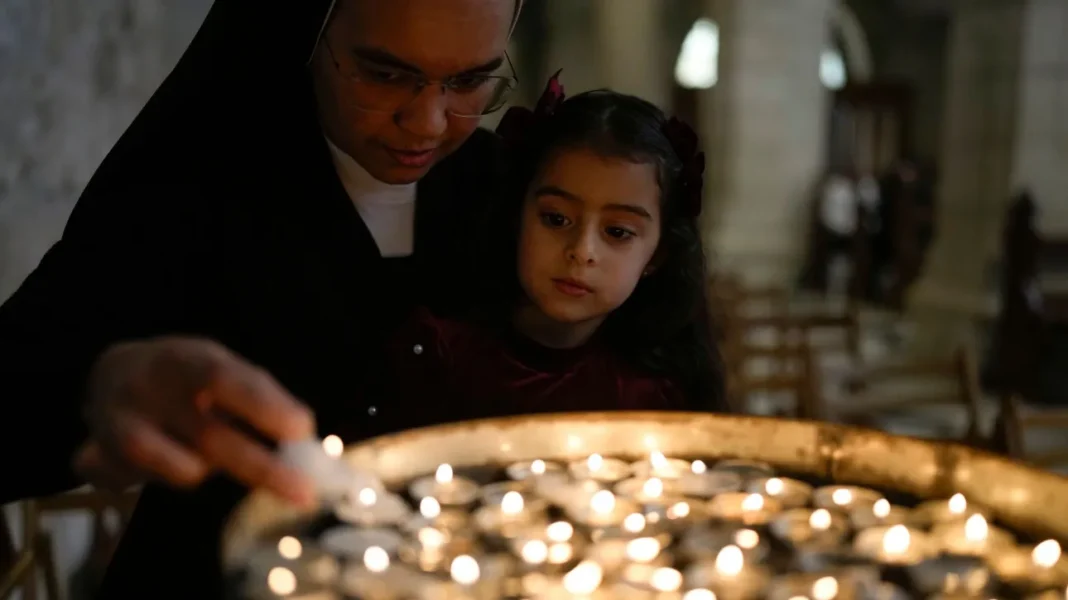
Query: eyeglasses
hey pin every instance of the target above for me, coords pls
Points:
(378, 88)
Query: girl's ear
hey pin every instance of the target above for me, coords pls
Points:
(654, 262)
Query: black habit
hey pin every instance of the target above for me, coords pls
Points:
(219, 213)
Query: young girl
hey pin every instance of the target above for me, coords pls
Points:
(594, 279)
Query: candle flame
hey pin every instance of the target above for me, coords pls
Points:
(698, 467)
(584, 578)
(881, 508)
(534, 552)
(699, 594)
(820, 519)
(282, 581)
(1046, 554)
(538, 467)
(376, 559)
(634, 522)
(367, 496)
(679, 510)
(975, 528)
(431, 538)
(429, 507)
(658, 460)
(729, 561)
(560, 531)
(290, 548)
(444, 474)
(512, 503)
(653, 488)
(560, 553)
(753, 502)
(774, 486)
(603, 502)
(464, 570)
(957, 504)
(842, 496)
(643, 550)
(896, 540)
(666, 579)
(333, 446)
(825, 588)
(746, 538)
(594, 462)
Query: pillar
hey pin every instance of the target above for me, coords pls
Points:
(630, 53)
(571, 46)
(1007, 73)
(764, 126)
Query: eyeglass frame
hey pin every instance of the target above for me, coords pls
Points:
(425, 81)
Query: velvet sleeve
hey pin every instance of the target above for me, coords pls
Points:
(120, 271)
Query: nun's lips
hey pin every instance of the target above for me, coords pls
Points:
(413, 159)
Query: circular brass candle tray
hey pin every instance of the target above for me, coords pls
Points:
(1031, 502)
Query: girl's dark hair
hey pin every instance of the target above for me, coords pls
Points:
(664, 327)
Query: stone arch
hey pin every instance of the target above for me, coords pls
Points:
(854, 40)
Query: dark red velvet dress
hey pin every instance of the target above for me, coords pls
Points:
(449, 370)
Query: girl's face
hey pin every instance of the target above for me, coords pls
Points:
(590, 226)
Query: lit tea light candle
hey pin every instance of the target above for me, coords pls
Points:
(504, 518)
(973, 537)
(522, 471)
(584, 579)
(801, 526)
(745, 469)
(371, 508)
(290, 564)
(662, 467)
(844, 497)
(749, 509)
(333, 446)
(643, 489)
(792, 493)
(445, 487)
(963, 576)
(813, 587)
(375, 575)
(599, 468)
(956, 508)
(882, 513)
(729, 576)
(432, 515)
(664, 582)
(350, 542)
(895, 545)
(602, 509)
(1031, 569)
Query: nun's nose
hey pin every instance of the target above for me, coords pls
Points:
(426, 116)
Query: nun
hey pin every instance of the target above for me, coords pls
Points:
(309, 172)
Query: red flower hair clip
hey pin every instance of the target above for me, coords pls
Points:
(687, 146)
(519, 121)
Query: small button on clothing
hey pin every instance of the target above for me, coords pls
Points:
(418, 349)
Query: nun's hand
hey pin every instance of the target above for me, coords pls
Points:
(173, 410)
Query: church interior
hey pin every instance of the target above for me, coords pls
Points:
(886, 213)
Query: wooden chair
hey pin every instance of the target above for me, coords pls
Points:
(791, 372)
(863, 406)
(36, 552)
(1015, 421)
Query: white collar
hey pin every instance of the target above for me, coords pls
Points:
(362, 185)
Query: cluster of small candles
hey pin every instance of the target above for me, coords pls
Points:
(657, 529)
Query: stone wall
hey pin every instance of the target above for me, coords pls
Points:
(73, 74)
